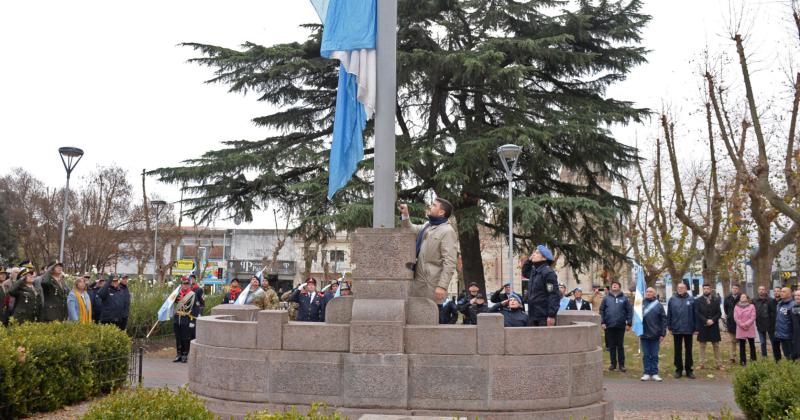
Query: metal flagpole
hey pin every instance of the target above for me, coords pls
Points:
(386, 99)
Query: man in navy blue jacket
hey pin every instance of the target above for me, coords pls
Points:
(680, 321)
(654, 323)
(783, 323)
(616, 315)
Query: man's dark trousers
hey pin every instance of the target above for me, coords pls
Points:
(615, 342)
(682, 340)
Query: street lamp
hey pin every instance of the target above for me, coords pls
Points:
(509, 153)
(70, 156)
(157, 206)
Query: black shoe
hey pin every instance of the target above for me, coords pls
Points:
(677, 375)
(184, 359)
(178, 358)
(622, 369)
(612, 368)
(690, 375)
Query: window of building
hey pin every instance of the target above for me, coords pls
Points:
(336, 256)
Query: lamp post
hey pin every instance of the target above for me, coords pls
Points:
(70, 156)
(509, 153)
(157, 206)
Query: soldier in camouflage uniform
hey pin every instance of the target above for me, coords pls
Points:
(55, 293)
(268, 299)
(292, 306)
(27, 298)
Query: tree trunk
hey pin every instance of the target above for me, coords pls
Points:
(710, 267)
(761, 262)
(677, 277)
(469, 240)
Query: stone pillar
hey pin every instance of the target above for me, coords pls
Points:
(376, 371)
(381, 284)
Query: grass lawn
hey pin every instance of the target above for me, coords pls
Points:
(666, 366)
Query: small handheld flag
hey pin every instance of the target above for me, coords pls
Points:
(165, 311)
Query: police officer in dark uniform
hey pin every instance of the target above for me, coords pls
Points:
(543, 294)
(113, 303)
(97, 303)
(183, 320)
(126, 299)
(311, 305)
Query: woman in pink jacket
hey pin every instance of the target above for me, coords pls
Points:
(745, 316)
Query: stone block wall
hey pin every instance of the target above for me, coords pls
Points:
(449, 367)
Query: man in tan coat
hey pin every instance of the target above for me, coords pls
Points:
(436, 249)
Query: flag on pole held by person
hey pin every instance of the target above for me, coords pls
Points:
(349, 35)
(165, 312)
(638, 300)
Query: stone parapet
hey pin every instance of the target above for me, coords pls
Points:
(566, 317)
(223, 331)
(441, 339)
(578, 337)
(315, 336)
(270, 329)
(239, 312)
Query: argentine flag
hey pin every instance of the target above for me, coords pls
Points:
(165, 311)
(638, 300)
(349, 35)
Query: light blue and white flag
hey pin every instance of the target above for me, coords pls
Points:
(349, 35)
(638, 300)
(165, 312)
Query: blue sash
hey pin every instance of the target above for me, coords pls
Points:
(649, 308)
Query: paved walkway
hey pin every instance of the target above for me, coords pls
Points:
(632, 399)
(160, 372)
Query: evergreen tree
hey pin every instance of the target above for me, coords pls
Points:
(472, 75)
(8, 244)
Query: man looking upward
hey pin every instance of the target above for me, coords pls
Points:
(436, 248)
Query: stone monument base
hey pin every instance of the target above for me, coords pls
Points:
(382, 352)
(602, 410)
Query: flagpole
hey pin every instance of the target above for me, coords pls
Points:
(386, 101)
(152, 329)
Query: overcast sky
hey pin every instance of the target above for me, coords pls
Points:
(108, 76)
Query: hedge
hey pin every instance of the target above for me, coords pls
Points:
(44, 366)
(149, 404)
(768, 390)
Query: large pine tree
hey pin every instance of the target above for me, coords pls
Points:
(472, 75)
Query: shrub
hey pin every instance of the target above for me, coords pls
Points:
(316, 412)
(149, 404)
(767, 389)
(46, 366)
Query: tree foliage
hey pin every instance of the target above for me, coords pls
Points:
(105, 224)
(472, 75)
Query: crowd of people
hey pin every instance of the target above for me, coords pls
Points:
(28, 295)
(774, 320)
